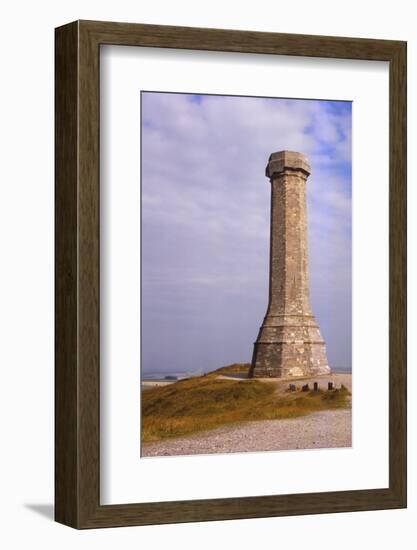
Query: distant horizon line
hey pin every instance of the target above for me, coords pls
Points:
(173, 371)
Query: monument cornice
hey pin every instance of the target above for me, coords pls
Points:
(289, 162)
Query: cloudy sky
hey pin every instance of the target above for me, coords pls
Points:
(205, 223)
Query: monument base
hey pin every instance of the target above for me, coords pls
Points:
(289, 346)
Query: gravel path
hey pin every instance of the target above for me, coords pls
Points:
(324, 429)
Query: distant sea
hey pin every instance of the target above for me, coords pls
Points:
(342, 369)
(179, 375)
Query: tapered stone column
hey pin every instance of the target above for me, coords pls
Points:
(289, 341)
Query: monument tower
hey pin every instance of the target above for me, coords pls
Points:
(289, 341)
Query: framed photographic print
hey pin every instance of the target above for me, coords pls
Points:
(230, 274)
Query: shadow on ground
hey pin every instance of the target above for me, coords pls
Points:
(45, 510)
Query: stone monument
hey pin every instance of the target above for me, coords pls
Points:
(289, 343)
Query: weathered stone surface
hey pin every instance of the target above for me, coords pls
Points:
(289, 341)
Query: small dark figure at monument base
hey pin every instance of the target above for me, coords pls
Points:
(289, 343)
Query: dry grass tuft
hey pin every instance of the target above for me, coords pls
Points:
(206, 402)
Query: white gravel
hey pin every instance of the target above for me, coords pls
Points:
(326, 429)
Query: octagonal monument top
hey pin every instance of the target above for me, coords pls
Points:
(286, 160)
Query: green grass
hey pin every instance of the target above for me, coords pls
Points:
(235, 368)
(205, 402)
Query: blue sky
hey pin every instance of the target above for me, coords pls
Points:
(205, 223)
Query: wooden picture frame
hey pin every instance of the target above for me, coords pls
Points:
(77, 374)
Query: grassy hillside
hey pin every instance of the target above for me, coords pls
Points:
(207, 402)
